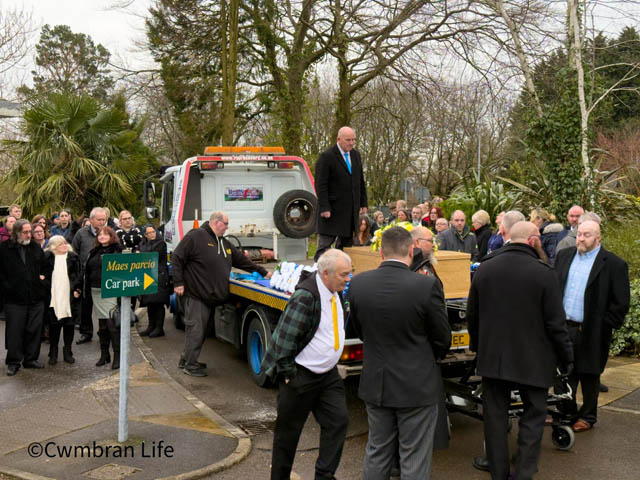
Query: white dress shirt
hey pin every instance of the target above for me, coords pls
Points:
(320, 354)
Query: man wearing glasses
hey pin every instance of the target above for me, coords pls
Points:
(129, 235)
(24, 286)
(201, 265)
(423, 257)
(595, 287)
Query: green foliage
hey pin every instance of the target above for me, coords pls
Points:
(69, 62)
(627, 337)
(490, 195)
(77, 154)
(623, 239)
(554, 143)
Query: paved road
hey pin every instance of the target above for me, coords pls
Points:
(609, 451)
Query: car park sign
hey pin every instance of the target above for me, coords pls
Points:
(129, 274)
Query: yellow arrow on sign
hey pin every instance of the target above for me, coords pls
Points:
(147, 281)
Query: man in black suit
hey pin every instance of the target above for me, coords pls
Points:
(595, 290)
(518, 329)
(342, 193)
(401, 318)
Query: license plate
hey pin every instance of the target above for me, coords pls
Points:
(459, 340)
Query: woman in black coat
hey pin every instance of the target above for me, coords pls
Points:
(109, 333)
(155, 302)
(63, 306)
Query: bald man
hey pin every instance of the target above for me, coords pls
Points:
(515, 301)
(573, 215)
(342, 193)
(595, 290)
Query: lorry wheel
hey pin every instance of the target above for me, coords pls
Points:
(256, 343)
(294, 213)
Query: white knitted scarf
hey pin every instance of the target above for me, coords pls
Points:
(61, 288)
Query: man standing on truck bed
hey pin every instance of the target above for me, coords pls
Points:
(342, 193)
(201, 264)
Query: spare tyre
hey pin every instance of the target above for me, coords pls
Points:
(295, 213)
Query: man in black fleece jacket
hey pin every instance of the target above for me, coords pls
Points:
(201, 264)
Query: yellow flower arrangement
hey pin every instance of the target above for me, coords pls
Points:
(408, 226)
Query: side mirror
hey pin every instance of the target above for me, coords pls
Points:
(151, 212)
(149, 194)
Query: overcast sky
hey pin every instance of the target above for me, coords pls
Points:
(116, 29)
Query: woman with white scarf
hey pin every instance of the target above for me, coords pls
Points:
(66, 287)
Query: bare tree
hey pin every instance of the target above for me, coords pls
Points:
(16, 30)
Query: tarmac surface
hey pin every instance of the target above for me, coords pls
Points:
(61, 422)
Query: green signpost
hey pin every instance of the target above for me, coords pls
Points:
(129, 274)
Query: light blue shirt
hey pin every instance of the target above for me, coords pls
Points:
(579, 271)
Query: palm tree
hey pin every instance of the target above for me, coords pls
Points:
(79, 154)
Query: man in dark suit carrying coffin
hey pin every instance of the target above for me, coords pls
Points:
(517, 327)
(595, 290)
(401, 317)
(342, 193)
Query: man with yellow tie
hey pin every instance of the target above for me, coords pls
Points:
(302, 357)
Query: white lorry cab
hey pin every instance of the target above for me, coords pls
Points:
(268, 196)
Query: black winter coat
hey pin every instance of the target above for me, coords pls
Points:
(515, 318)
(606, 303)
(74, 272)
(20, 281)
(164, 286)
(339, 192)
(483, 234)
(93, 267)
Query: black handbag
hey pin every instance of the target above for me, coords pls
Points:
(114, 315)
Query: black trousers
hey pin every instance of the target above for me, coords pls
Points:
(86, 318)
(325, 241)
(22, 333)
(496, 398)
(323, 395)
(590, 384)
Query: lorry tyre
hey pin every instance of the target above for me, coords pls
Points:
(294, 213)
(257, 342)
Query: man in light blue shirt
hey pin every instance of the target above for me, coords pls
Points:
(595, 288)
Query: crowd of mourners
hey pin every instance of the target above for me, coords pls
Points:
(478, 239)
(50, 278)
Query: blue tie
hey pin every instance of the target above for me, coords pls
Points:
(346, 159)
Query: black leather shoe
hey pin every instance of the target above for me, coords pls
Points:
(34, 364)
(83, 339)
(12, 370)
(604, 388)
(182, 363)
(481, 463)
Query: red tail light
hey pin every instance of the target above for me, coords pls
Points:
(285, 164)
(352, 353)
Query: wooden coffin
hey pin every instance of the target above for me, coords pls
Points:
(452, 268)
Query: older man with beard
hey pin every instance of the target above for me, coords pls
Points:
(423, 257)
(595, 290)
(22, 278)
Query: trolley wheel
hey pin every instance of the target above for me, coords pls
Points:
(563, 437)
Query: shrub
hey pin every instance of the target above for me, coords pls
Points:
(623, 239)
(627, 337)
